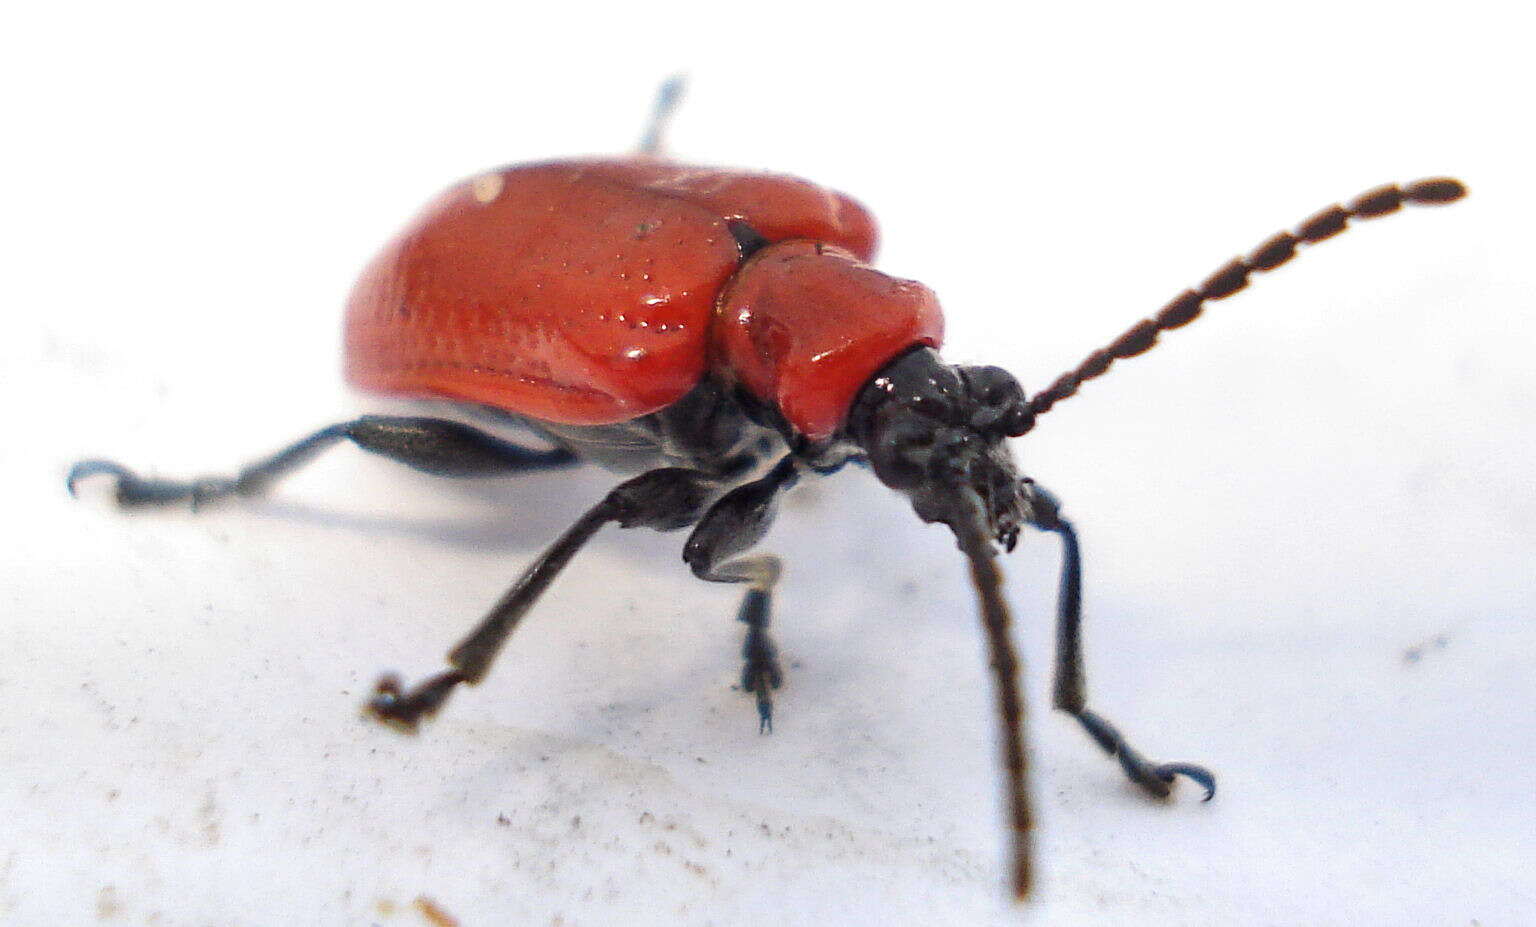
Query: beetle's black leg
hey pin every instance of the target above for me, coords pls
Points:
(1070, 694)
(731, 526)
(668, 95)
(431, 445)
(664, 499)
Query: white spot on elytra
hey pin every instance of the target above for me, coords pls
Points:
(486, 187)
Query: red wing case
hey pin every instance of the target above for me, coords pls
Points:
(546, 292)
(579, 292)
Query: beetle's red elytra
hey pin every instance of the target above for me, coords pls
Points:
(720, 334)
(594, 292)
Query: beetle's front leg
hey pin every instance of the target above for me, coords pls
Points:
(731, 526)
(1069, 692)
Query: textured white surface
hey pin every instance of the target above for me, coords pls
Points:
(1308, 519)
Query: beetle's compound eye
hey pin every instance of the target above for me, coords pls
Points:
(997, 401)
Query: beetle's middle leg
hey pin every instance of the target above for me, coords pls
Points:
(664, 499)
(731, 526)
(1070, 694)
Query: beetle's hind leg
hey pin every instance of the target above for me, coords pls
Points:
(731, 526)
(1070, 694)
(437, 446)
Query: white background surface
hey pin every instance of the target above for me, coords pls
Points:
(1277, 506)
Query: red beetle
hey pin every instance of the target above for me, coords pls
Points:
(719, 333)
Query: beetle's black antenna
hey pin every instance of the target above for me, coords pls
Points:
(668, 95)
(1233, 276)
(970, 527)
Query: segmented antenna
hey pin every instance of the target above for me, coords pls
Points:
(1233, 276)
(970, 527)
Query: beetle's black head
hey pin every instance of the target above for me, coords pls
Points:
(932, 430)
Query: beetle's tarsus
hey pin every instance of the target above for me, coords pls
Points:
(764, 712)
(212, 489)
(132, 490)
(1156, 779)
(760, 673)
(404, 710)
(761, 677)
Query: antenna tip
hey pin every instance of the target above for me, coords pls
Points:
(1021, 884)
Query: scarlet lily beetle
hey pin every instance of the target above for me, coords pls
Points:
(720, 334)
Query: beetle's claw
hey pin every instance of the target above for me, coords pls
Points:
(89, 468)
(404, 710)
(385, 706)
(1158, 780)
(1197, 774)
(129, 488)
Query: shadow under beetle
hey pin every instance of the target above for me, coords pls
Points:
(720, 334)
